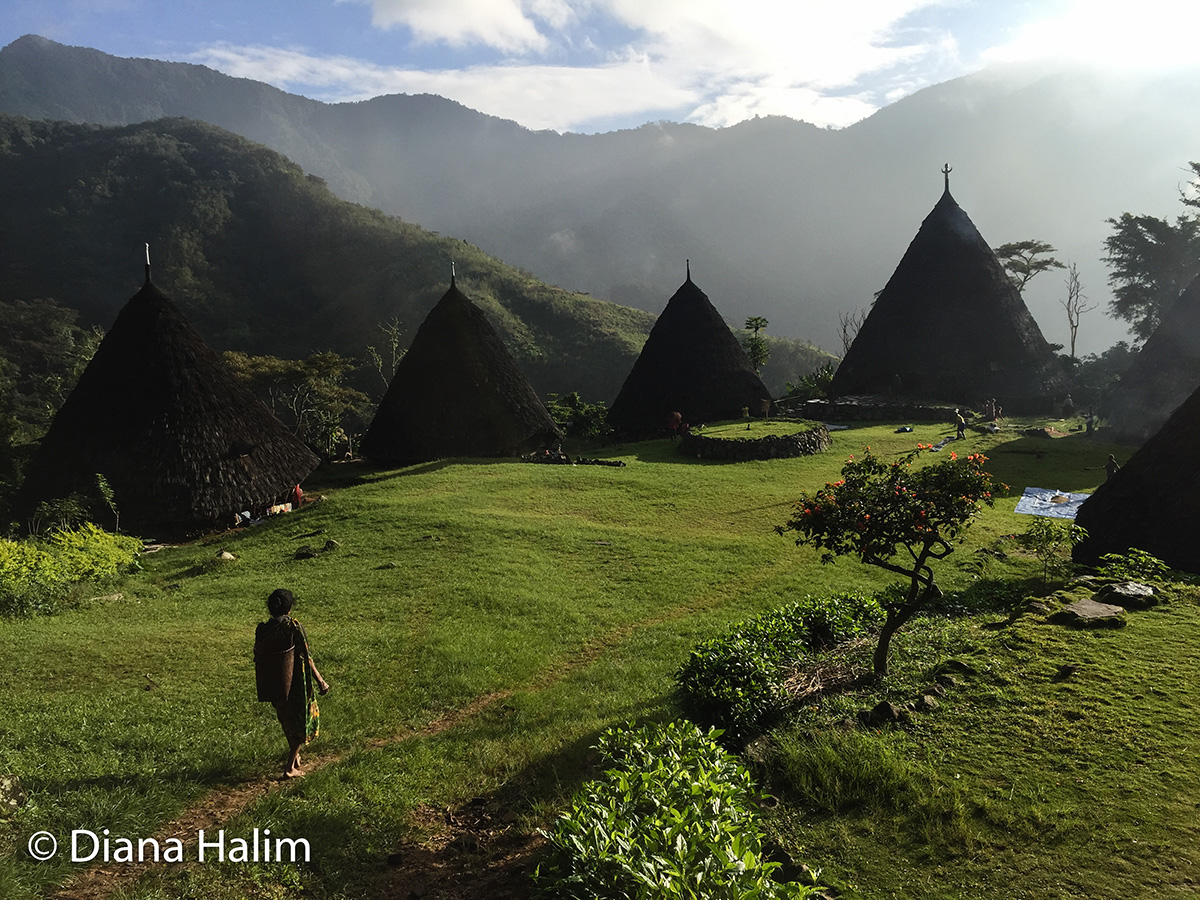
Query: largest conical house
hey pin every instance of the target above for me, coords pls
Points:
(950, 326)
(1153, 502)
(1164, 373)
(691, 364)
(183, 445)
(457, 392)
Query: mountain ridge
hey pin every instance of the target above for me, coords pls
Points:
(786, 220)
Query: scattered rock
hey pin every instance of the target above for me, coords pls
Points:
(330, 544)
(1129, 594)
(935, 690)
(305, 552)
(947, 681)
(1037, 606)
(758, 749)
(1064, 672)
(885, 713)
(388, 565)
(109, 598)
(11, 795)
(225, 556)
(1091, 613)
(927, 703)
(958, 666)
(465, 843)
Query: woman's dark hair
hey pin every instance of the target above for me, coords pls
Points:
(280, 602)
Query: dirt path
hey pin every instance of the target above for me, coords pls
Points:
(476, 853)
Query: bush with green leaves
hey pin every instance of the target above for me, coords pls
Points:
(576, 417)
(1051, 541)
(38, 576)
(673, 817)
(735, 681)
(1132, 565)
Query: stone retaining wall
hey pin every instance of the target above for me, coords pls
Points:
(775, 446)
(873, 409)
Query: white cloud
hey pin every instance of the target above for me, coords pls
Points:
(1145, 35)
(714, 62)
(506, 25)
(556, 97)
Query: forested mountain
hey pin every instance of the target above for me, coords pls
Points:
(780, 218)
(261, 257)
(265, 259)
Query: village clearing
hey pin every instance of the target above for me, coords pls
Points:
(482, 621)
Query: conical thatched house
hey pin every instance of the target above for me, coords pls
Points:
(457, 392)
(950, 326)
(183, 445)
(691, 364)
(1163, 374)
(1153, 502)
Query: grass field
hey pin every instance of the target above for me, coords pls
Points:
(481, 622)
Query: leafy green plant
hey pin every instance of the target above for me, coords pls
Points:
(735, 681)
(576, 417)
(813, 385)
(1133, 565)
(37, 576)
(110, 500)
(877, 509)
(673, 816)
(1051, 541)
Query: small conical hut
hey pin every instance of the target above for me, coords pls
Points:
(183, 444)
(691, 364)
(457, 392)
(950, 326)
(1163, 374)
(1153, 502)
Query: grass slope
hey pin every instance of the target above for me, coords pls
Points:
(549, 602)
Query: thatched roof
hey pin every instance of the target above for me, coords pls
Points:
(1163, 374)
(182, 443)
(691, 364)
(951, 326)
(457, 392)
(1153, 502)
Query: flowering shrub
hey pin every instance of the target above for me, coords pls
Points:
(897, 517)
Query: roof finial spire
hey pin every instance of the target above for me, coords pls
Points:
(688, 263)
(147, 263)
(946, 170)
(451, 273)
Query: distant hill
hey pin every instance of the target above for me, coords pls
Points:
(263, 258)
(780, 218)
(267, 260)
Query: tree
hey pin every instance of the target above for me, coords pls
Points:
(898, 518)
(1024, 259)
(1075, 304)
(755, 344)
(42, 354)
(850, 323)
(1152, 262)
(309, 395)
(386, 369)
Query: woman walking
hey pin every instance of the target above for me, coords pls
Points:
(285, 672)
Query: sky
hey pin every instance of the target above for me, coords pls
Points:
(600, 65)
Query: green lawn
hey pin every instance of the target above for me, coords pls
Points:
(569, 596)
